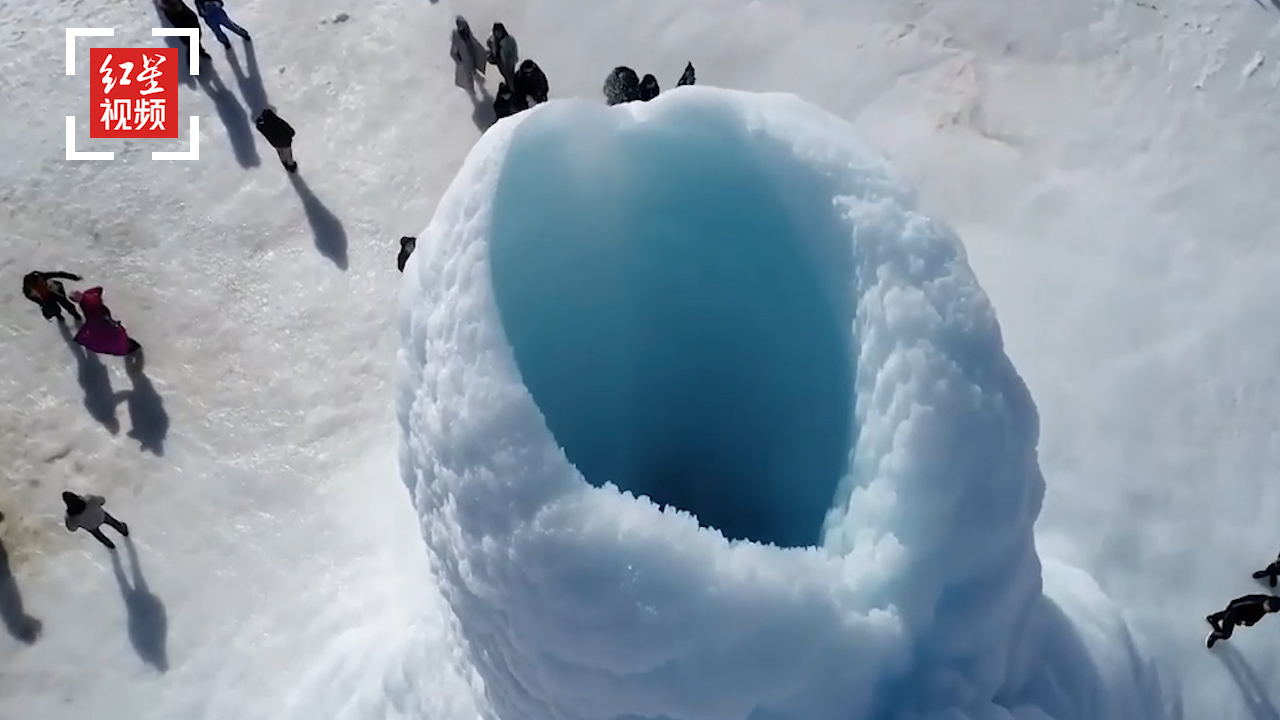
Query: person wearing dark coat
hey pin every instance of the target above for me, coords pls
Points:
(688, 77)
(531, 83)
(1271, 572)
(181, 16)
(1245, 610)
(622, 86)
(648, 89)
(43, 289)
(280, 134)
(407, 245)
(507, 103)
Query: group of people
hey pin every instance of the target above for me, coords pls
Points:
(1245, 610)
(268, 123)
(623, 85)
(524, 84)
(98, 332)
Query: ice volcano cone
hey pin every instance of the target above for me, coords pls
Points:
(704, 420)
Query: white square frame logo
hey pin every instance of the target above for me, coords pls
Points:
(192, 33)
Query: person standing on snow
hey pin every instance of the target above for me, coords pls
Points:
(531, 83)
(468, 54)
(1245, 610)
(280, 134)
(1271, 572)
(504, 53)
(86, 513)
(507, 103)
(621, 86)
(648, 89)
(43, 289)
(181, 16)
(215, 16)
(407, 245)
(688, 77)
(102, 333)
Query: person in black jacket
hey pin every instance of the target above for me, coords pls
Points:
(648, 88)
(181, 16)
(1245, 610)
(1271, 572)
(531, 83)
(688, 77)
(43, 289)
(507, 102)
(280, 134)
(622, 86)
(407, 245)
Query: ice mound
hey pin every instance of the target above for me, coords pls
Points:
(704, 420)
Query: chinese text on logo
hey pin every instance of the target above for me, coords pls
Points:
(133, 93)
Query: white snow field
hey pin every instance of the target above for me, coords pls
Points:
(1108, 167)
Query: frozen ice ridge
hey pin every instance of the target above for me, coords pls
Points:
(705, 421)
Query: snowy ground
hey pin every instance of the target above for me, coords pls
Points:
(1108, 165)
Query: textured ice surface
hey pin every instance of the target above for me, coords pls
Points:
(704, 419)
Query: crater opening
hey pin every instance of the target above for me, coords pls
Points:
(676, 296)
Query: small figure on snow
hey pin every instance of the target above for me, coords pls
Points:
(531, 83)
(215, 16)
(43, 289)
(181, 16)
(280, 134)
(468, 54)
(621, 86)
(507, 103)
(503, 52)
(407, 245)
(1245, 610)
(688, 77)
(85, 512)
(101, 333)
(648, 88)
(1271, 573)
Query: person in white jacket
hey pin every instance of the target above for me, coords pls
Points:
(86, 513)
(468, 56)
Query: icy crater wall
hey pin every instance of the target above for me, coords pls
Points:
(704, 420)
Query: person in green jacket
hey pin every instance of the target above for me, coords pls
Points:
(504, 53)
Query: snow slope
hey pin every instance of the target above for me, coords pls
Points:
(1108, 166)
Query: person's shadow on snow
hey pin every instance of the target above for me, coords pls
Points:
(148, 622)
(99, 398)
(146, 408)
(20, 625)
(249, 80)
(1254, 691)
(233, 117)
(482, 114)
(330, 236)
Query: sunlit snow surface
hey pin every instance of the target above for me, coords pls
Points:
(639, 290)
